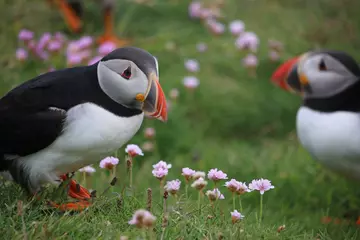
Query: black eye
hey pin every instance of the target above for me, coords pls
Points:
(322, 66)
(127, 73)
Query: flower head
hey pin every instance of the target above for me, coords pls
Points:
(174, 93)
(232, 185)
(261, 185)
(85, 42)
(192, 65)
(172, 186)
(94, 60)
(201, 47)
(74, 59)
(44, 40)
(149, 132)
(106, 48)
(216, 175)
(214, 195)
(191, 82)
(25, 35)
(160, 173)
(59, 37)
(242, 188)
(199, 184)
(198, 175)
(109, 162)
(87, 169)
(236, 216)
(217, 28)
(162, 165)
(21, 54)
(250, 61)
(133, 150)
(247, 40)
(237, 27)
(54, 46)
(142, 218)
(195, 9)
(148, 146)
(188, 173)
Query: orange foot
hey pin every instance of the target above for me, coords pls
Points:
(114, 39)
(75, 191)
(72, 20)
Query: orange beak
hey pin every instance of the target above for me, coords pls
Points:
(155, 102)
(280, 76)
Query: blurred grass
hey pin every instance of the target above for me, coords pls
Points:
(241, 125)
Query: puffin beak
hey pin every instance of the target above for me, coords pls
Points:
(155, 101)
(288, 76)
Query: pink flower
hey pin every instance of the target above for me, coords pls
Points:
(206, 13)
(73, 59)
(172, 186)
(188, 173)
(133, 150)
(21, 54)
(191, 82)
(109, 162)
(214, 195)
(195, 9)
(274, 56)
(232, 185)
(31, 44)
(217, 28)
(250, 61)
(43, 55)
(73, 47)
(199, 183)
(242, 188)
(85, 42)
(216, 175)
(58, 36)
(198, 175)
(94, 60)
(247, 41)
(236, 216)
(162, 165)
(160, 173)
(84, 54)
(148, 146)
(192, 65)
(149, 132)
(201, 47)
(25, 35)
(87, 169)
(261, 185)
(106, 48)
(54, 46)
(174, 94)
(237, 27)
(43, 41)
(142, 218)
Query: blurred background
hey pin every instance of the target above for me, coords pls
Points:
(216, 58)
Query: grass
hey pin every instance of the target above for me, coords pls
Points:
(241, 125)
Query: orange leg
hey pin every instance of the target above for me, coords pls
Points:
(71, 19)
(77, 192)
(109, 35)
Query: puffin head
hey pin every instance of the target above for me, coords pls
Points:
(318, 74)
(130, 77)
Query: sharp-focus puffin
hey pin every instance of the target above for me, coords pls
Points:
(328, 122)
(64, 120)
(72, 12)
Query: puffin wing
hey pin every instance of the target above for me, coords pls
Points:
(32, 115)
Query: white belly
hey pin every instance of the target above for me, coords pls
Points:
(332, 138)
(90, 134)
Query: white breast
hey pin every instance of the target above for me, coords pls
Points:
(90, 134)
(332, 138)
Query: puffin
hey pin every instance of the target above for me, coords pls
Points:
(61, 121)
(72, 12)
(328, 121)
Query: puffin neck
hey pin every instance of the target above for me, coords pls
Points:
(347, 100)
(103, 100)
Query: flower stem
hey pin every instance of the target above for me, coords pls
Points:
(84, 179)
(233, 198)
(186, 190)
(261, 208)
(130, 172)
(160, 190)
(199, 202)
(240, 204)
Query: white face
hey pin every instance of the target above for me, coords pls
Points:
(326, 75)
(122, 80)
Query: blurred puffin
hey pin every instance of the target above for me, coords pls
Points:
(64, 120)
(328, 122)
(72, 12)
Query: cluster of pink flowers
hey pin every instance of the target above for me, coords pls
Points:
(133, 150)
(109, 163)
(160, 170)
